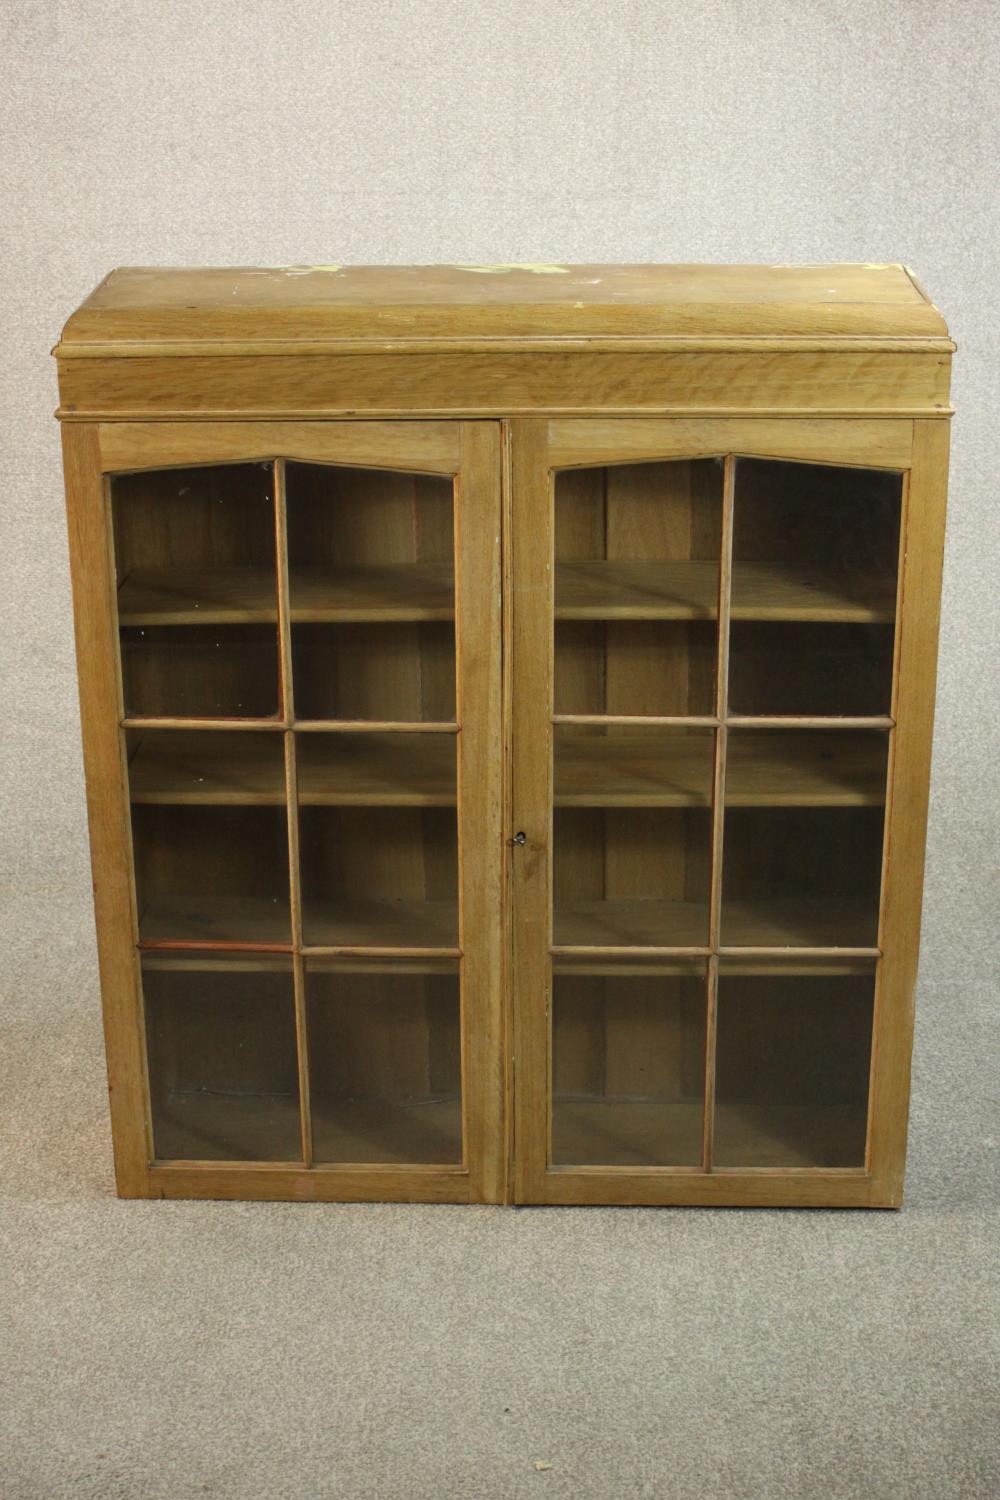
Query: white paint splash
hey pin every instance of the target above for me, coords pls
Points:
(501, 270)
(309, 270)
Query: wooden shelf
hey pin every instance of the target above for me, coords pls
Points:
(688, 590)
(387, 964)
(826, 923)
(585, 1132)
(198, 596)
(356, 769)
(625, 1132)
(776, 1135)
(237, 596)
(568, 967)
(398, 591)
(192, 767)
(772, 769)
(809, 769)
(202, 1126)
(631, 924)
(387, 1130)
(642, 769)
(585, 590)
(247, 921)
(187, 962)
(377, 770)
(333, 923)
(637, 968)
(244, 920)
(677, 924)
(434, 924)
(236, 962)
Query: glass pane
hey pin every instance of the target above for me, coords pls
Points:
(378, 839)
(793, 1052)
(391, 673)
(628, 1064)
(815, 551)
(636, 588)
(640, 668)
(802, 849)
(379, 877)
(385, 1060)
(377, 770)
(223, 1068)
(372, 594)
(210, 835)
(195, 561)
(631, 836)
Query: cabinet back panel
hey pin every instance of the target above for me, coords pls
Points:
(832, 531)
(213, 515)
(392, 672)
(846, 519)
(385, 1067)
(200, 671)
(825, 669)
(222, 1064)
(633, 514)
(175, 526)
(609, 853)
(368, 519)
(639, 667)
(622, 1048)
(379, 853)
(816, 851)
(353, 517)
(219, 873)
(387, 1035)
(793, 1059)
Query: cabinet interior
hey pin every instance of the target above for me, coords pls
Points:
(195, 569)
(723, 668)
(636, 588)
(222, 1058)
(385, 1061)
(722, 637)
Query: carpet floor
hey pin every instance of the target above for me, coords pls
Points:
(169, 1351)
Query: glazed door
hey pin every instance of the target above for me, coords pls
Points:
(705, 668)
(308, 627)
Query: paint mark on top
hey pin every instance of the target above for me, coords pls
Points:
(850, 265)
(308, 270)
(516, 266)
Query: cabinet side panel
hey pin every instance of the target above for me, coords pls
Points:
(907, 819)
(97, 655)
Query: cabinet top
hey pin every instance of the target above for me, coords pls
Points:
(190, 309)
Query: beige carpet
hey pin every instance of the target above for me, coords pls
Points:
(167, 1351)
(240, 1352)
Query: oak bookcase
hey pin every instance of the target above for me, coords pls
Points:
(507, 699)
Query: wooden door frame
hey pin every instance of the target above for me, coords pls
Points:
(508, 793)
(539, 446)
(472, 452)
